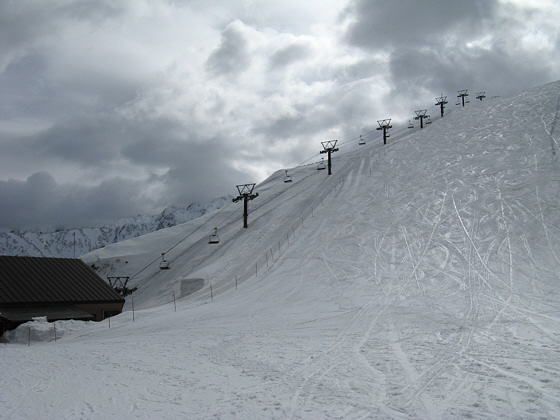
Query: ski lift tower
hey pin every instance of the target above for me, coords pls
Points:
(420, 115)
(245, 194)
(384, 125)
(119, 284)
(329, 147)
(441, 101)
(480, 95)
(462, 94)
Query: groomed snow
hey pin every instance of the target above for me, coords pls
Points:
(420, 280)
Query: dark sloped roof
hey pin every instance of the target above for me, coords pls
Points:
(37, 280)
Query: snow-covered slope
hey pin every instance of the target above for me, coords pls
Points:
(419, 280)
(69, 243)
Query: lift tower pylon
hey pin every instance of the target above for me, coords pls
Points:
(384, 125)
(245, 194)
(420, 115)
(441, 101)
(329, 147)
(462, 94)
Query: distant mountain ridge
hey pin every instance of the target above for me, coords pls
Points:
(70, 243)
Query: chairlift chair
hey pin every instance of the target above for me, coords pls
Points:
(214, 238)
(287, 178)
(362, 141)
(321, 165)
(164, 264)
(429, 121)
(410, 125)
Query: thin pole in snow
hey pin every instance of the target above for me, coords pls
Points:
(174, 302)
(28, 336)
(54, 325)
(211, 293)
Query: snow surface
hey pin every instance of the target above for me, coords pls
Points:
(420, 280)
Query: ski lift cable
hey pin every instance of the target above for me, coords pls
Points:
(223, 222)
(182, 240)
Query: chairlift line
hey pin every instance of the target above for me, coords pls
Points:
(164, 264)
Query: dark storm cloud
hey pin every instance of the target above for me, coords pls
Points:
(440, 46)
(196, 170)
(39, 202)
(83, 141)
(417, 70)
(232, 55)
(387, 24)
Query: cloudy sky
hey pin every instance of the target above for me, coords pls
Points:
(111, 108)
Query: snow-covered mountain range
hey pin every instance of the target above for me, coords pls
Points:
(71, 243)
(420, 280)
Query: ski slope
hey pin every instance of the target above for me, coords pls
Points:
(420, 280)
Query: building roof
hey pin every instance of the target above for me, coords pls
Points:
(51, 281)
